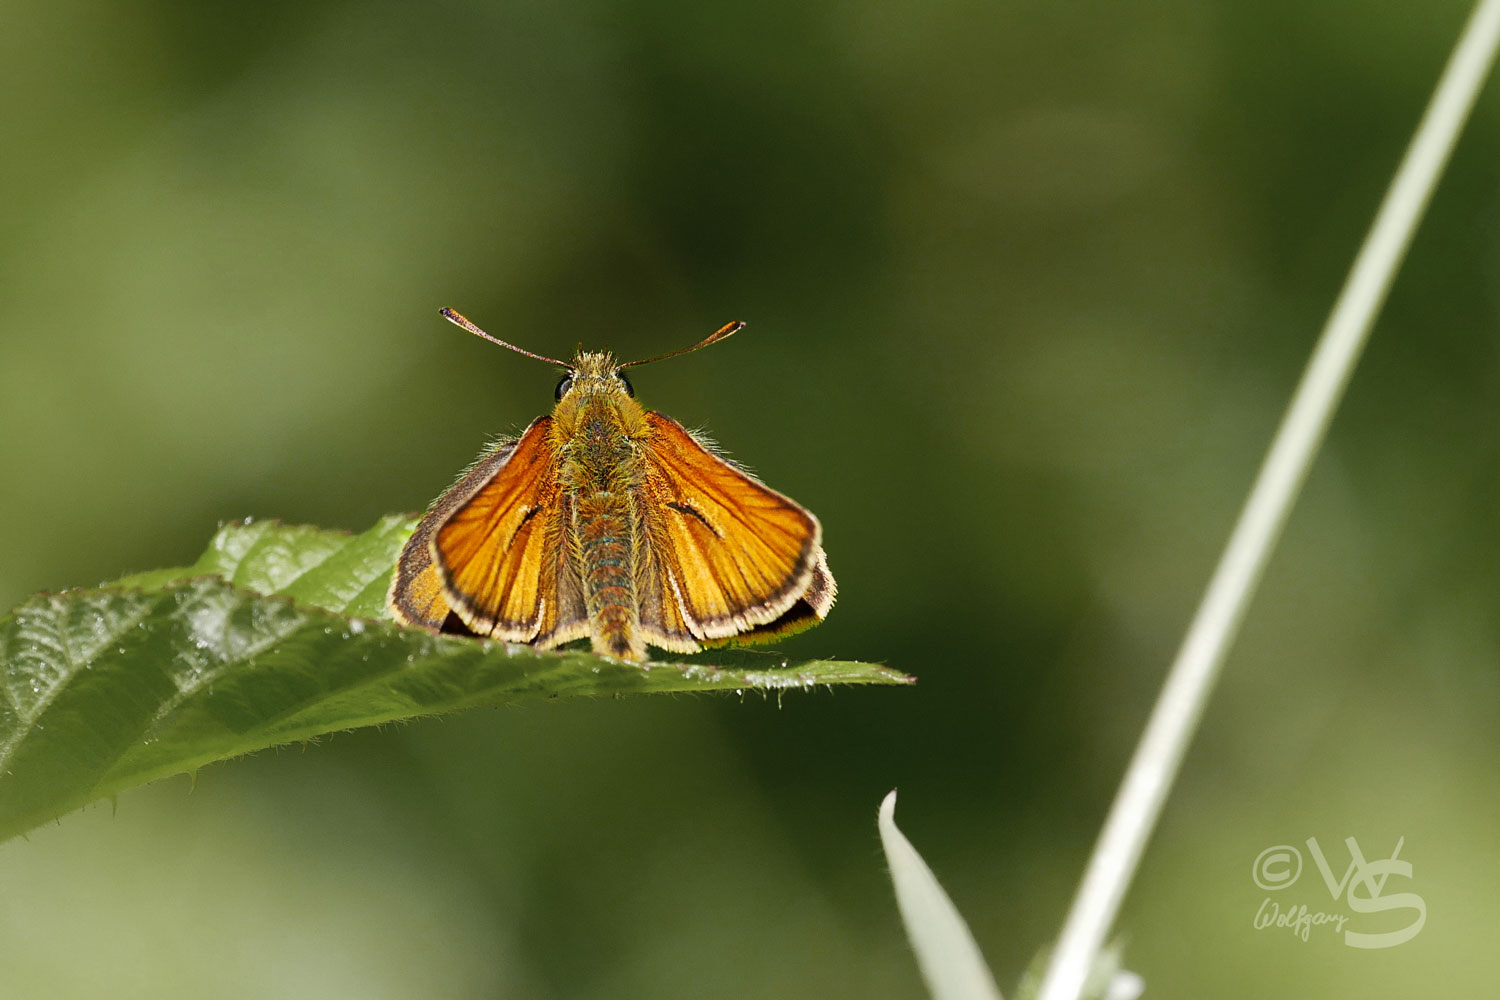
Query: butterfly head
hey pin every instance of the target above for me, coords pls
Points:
(593, 374)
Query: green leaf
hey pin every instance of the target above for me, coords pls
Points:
(276, 634)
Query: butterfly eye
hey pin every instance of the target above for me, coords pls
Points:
(563, 385)
(629, 389)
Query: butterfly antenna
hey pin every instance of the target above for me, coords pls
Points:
(458, 319)
(727, 330)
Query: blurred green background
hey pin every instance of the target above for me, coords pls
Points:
(1028, 287)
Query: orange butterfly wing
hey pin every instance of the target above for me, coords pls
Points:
(416, 594)
(495, 548)
(726, 554)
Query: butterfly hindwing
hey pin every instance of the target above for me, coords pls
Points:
(805, 612)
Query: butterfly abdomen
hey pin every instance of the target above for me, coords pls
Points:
(606, 542)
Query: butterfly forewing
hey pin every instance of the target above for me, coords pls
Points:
(726, 553)
(499, 554)
(416, 596)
